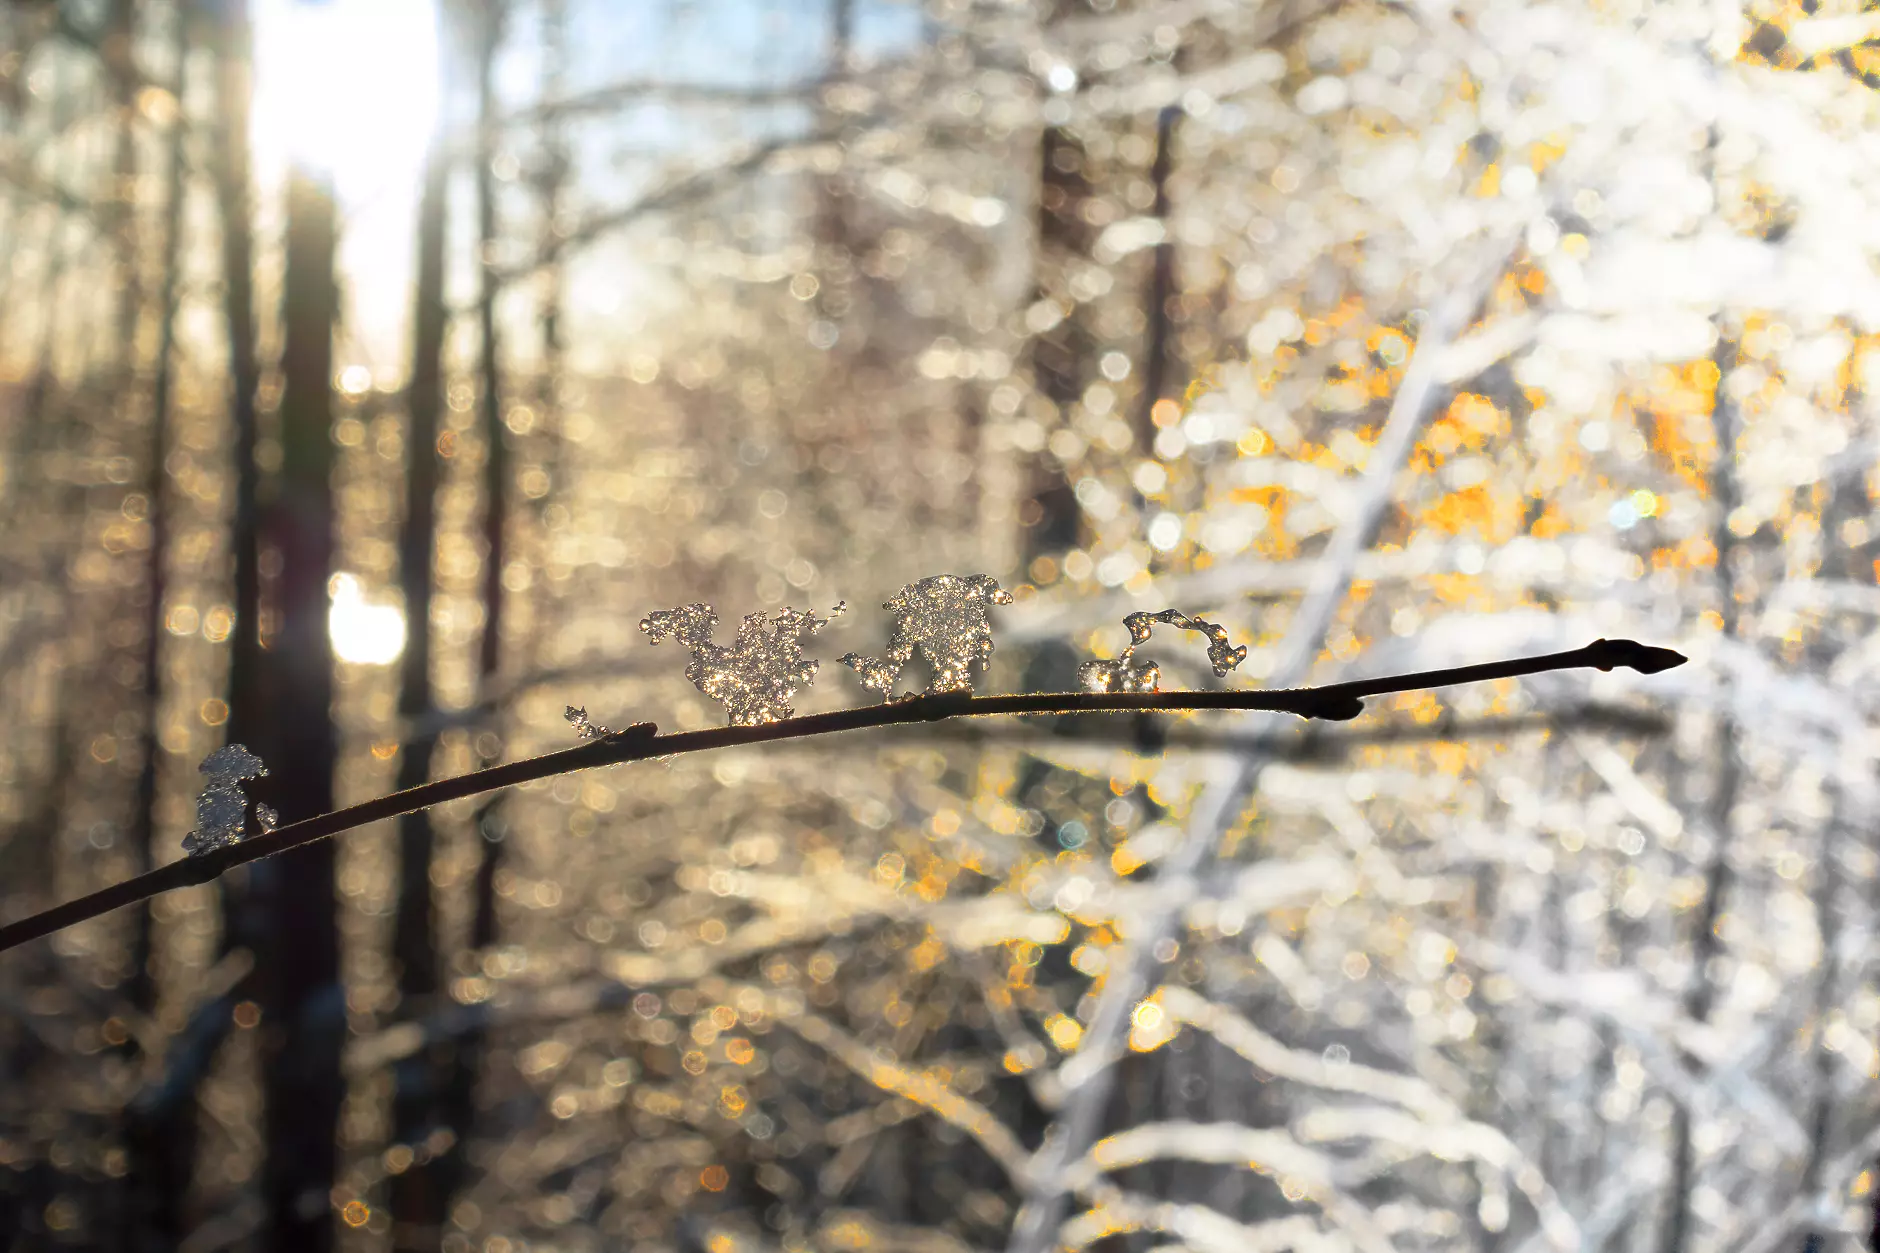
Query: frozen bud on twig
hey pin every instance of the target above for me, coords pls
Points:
(1125, 674)
(944, 617)
(764, 667)
(222, 808)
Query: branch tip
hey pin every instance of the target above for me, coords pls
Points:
(1644, 658)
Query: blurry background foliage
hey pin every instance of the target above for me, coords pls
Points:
(368, 369)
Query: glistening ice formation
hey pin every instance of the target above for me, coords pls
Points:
(585, 728)
(1126, 674)
(222, 808)
(762, 670)
(944, 618)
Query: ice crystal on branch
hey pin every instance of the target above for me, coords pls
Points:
(1126, 674)
(944, 617)
(586, 729)
(222, 808)
(763, 668)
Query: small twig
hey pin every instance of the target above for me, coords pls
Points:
(1337, 702)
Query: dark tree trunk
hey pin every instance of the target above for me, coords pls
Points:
(551, 181)
(303, 1005)
(495, 435)
(233, 197)
(417, 1198)
(466, 1061)
(120, 32)
(241, 925)
(160, 1139)
(156, 482)
(1061, 356)
(1156, 350)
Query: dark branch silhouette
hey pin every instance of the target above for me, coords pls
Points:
(1336, 702)
(1315, 747)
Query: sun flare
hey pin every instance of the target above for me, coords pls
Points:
(363, 632)
(348, 88)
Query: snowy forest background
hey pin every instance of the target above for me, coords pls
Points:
(369, 369)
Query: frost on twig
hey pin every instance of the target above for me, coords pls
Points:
(222, 808)
(587, 730)
(754, 678)
(1126, 674)
(944, 617)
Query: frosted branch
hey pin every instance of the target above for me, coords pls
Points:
(1272, 1153)
(1452, 1141)
(1337, 702)
(1200, 1227)
(1256, 1046)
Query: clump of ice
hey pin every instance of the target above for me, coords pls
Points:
(762, 669)
(222, 807)
(1126, 674)
(586, 729)
(944, 618)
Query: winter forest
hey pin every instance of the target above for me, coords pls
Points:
(400, 389)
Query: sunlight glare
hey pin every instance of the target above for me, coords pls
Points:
(346, 87)
(362, 632)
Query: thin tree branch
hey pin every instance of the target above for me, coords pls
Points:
(685, 190)
(663, 91)
(1314, 747)
(1336, 702)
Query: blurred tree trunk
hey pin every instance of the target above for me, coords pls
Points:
(1846, 506)
(235, 215)
(1700, 995)
(551, 179)
(466, 1058)
(242, 925)
(160, 1139)
(156, 483)
(550, 183)
(489, 356)
(1061, 356)
(120, 33)
(303, 1005)
(833, 227)
(1156, 348)
(40, 435)
(234, 196)
(1821, 1120)
(417, 1195)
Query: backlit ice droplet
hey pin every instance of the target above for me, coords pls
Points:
(583, 727)
(755, 678)
(222, 808)
(1126, 674)
(944, 617)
